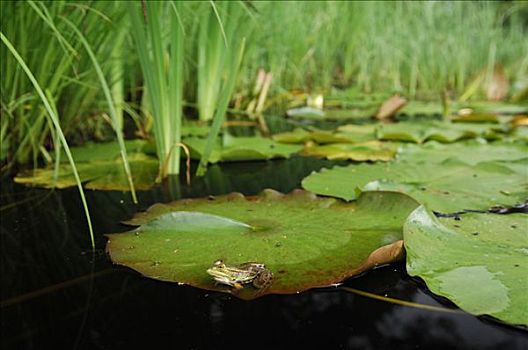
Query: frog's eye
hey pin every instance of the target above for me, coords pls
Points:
(218, 263)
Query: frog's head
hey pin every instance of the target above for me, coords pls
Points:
(220, 272)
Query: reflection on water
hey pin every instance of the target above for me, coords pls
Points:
(49, 298)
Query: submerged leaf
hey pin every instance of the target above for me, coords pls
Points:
(479, 261)
(305, 241)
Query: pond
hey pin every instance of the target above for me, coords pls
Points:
(56, 293)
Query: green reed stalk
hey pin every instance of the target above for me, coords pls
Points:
(164, 85)
(221, 109)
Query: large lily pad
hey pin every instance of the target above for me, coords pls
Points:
(304, 240)
(448, 186)
(479, 262)
(231, 148)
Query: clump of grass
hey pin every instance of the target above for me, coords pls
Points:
(417, 48)
(56, 56)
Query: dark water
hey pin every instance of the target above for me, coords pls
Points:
(55, 294)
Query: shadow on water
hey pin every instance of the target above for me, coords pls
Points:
(51, 298)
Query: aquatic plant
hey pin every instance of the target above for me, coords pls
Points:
(162, 66)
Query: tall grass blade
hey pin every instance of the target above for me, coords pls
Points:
(113, 114)
(55, 119)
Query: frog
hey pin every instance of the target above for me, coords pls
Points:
(250, 273)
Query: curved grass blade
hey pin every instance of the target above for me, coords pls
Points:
(401, 302)
(55, 119)
(113, 114)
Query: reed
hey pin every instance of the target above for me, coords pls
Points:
(162, 66)
(223, 31)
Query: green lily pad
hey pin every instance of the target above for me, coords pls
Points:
(364, 129)
(322, 137)
(100, 167)
(497, 107)
(305, 241)
(479, 262)
(231, 149)
(521, 133)
(372, 150)
(422, 108)
(438, 131)
(310, 113)
(97, 175)
(446, 187)
(306, 113)
(477, 118)
(351, 113)
(470, 152)
(194, 129)
(91, 151)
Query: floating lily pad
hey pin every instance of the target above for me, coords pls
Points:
(446, 187)
(306, 113)
(97, 175)
(521, 133)
(422, 108)
(350, 113)
(100, 167)
(311, 113)
(438, 131)
(470, 152)
(479, 262)
(194, 129)
(497, 107)
(305, 241)
(323, 137)
(477, 118)
(372, 150)
(91, 151)
(231, 148)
